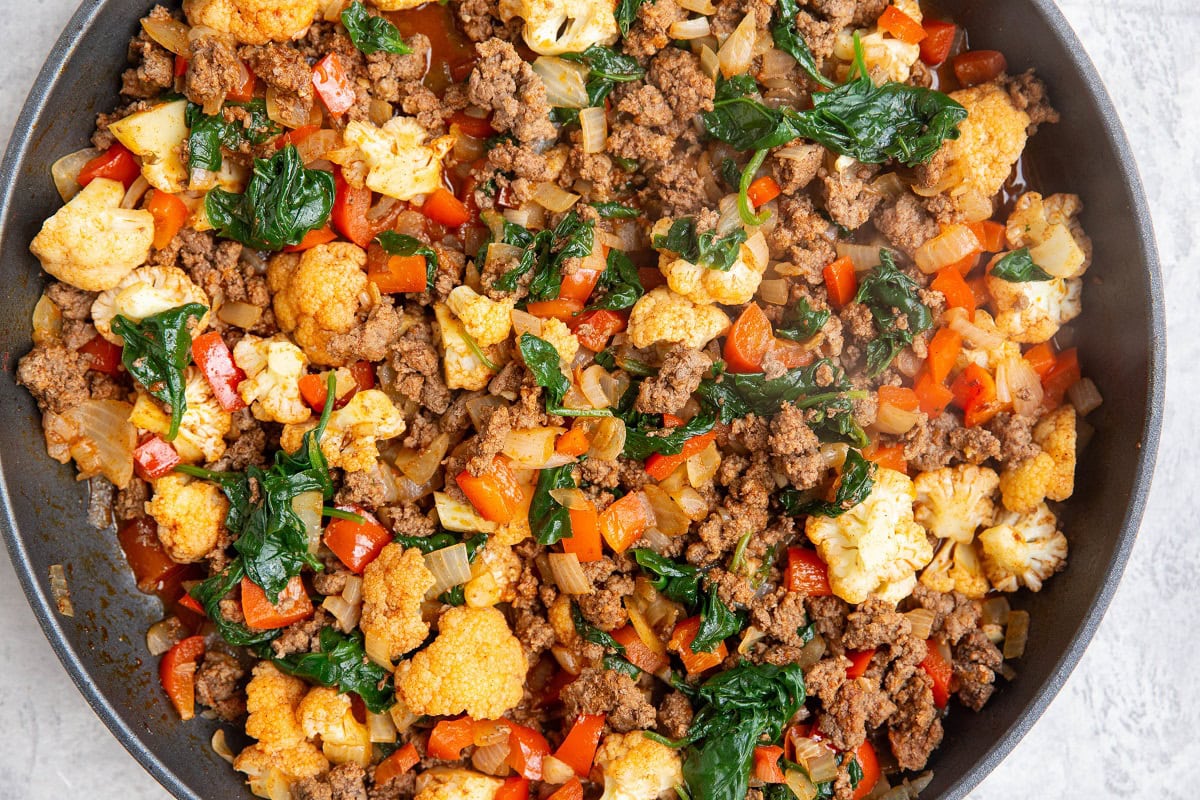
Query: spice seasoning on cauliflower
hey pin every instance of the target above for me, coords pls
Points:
(254, 21)
(664, 316)
(400, 163)
(327, 714)
(190, 516)
(1023, 549)
(394, 587)
(202, 430)
(486, 321)
(990, 140)
(319, 293)
(273, 370)
(636, 767)
(282, 754)
(354, 430)
(144, 292)
(449, 783)
(569, 26)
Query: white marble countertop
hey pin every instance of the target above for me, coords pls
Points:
(1125, 725)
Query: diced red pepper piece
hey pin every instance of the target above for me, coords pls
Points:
(762, 191)
(901, 26)
(333, 85)
(116, 163)
(526, 749)
(397, 764)
(449, 737)
(623, 522)
(495, 494)
(748, 341)
(939, 38)
(216, 363)
(169, 214)
(152, 568)
(859, 661)
(939, 671)
(806, 573)
(681, 643)
(841, 281)
(660, 465)
(979, 66)
(356, 544)
(154, 458)
(478, 127)
(766, 763)
(868, 762)
(578, 749)
(571, 790)
(316, 236)
(101, 355)
(514, 788)
(245, 92)
(445, 209)
(261, 614)
(177, 672)
(579, 285)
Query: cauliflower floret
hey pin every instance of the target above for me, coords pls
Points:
(400, 164)
(454, 783)
(463, 367)
(954, 502)
(637, 767)
(556, 332)
(955, 567)
(273, 370)
(326, 713)
(254, 21)
(1051, 231)
(495, 573)
(350, 439)
(282, 754)
(157, 136)
(706, 286)
(887, 59)
(394, 586)
(1031, 312)
(1023, 485)
(1051, 473)
(565, 26)
(190, 516)
(271, 773)
(145, 292)
(1023, 549)
(475, 665)
(319, 293)
(990, 141)
(875, 547)
(487, 321)
(91, 242)
(664, 316)
(203, 427)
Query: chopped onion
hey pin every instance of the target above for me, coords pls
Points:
(656, 540)
(756, 247)
(776, 64)
(704, 7)
(893, 420)
(492, 759)
(382, 729)
(66, 171)
(774, 291)
(481, 407)
(455, 515)
(402, 716)
(642, 626)
(608, 440)
(317, 144)
(409, 491)
(553, 198)
(98, 435)
(593, 125)
(995, 611)
(702, 466)
(568, 574)
(47, 321)
(864, 256)
(952, 245)
(220, 746)
(1018, 383)
(669, 517)
(922, 620)
(170, 33)
(517, 216)
(737, 52)
(817, 759)
(696, 28)
(566, 81)
(1084, 396)
(567, 659)
(834, 454)
(163, 635)
(589, 384)
(573, 499)
(972, 334)
(285, 111)
(556, 771)
(466, 148)
(531, 448)
(420, 467)
(239, 314)
(346, 614)
(800, 785)
(692, 503)
(889, 185)
(812, 652)
(307, 506)
(1016, 633)
(135, 192)
(524, 322)
(450, 568)
(710, 65)
(1058, 252)
(729, 220)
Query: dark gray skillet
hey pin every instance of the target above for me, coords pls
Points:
(1121, 338)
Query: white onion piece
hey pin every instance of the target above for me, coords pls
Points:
(480, 407)
(864, 256)
(65, 171)
(422, 466)
(499, 251)
(922, 620)
(455, 515)
(691, 502)
(382, 729)
(566, 81)
(492, 759)
(590, 385)
(307, 506)
(800, 785)
(776, 64)
(1018, 383)
(162, 636)
(220, 746)
(702, 466)
(737, 52)
(287, 114)
(450, 568)
(774, 291)
(817, 759)
(608, 440)
(1058, 253)
(593, 125)
(531, 448)
(729, 220)
(317, 144)
(402, 716)
(668, 516)
(98, 435)
(573, 499)
(556, 771)
(135, 192)
(975, 336)
(710, 65)
(1016, 634)
(553, 198)
(704, 7)
(995, 611)
(47, 321)
(517, 216)
(834, 454)
(568, 574)
(893, 420)
(169, 33)
(952, 245)
(1083, 395)
(756, 250)
(239, 314)
(524, 322)
(696, 28)
(346, 614)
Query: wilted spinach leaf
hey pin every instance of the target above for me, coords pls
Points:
(706, 249)
(857, 481)
(401, 244)
(156, 352)
(342, 663)
(371, 34)
(644, 434)
(611, 209)
(619, 285)
(626, 13)
(550, 522)
(209, 595)
(883, 289)
(426, 544)
(544, 253)
(717, 623)
(208, 132)
(1018, 267)
(801, 322)
(788, 39)
(543, 361)
(674, 580)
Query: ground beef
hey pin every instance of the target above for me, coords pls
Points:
(905, 223)
(609, 692)
(744, 509)
(649, 32)
(1028, 93)
(780, 615)
(1015, 432)
(370, 339)
(480, 21)
(803, 237)
(604, 608)
(392, 73)
(409, 519)
(300, 637)
(679, 376)
(954, 615)
(824, 678)
(828, 614)
(154, 69)
(343, 782)
(503, 82)
(798, 169)
(218, 685)
(675, 716)
(639, 143)
(646, 104)
(848, 198)
(915, 729)
(214, 69)
(75, 304)
(858, 706)
(873, 624)
(284, 69)
(401, 787)
(524, 162)
(677, 73)
(362, 489)
(417, 367)
(976, 660)
(130, 502)
(54, 375)
(675, 189)
(934, 443)
(797, 447)
(490, 440)
(215, 266)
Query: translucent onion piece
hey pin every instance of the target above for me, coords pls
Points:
(346, 614)
(531, 448)
(865, 257)
(995, 611)
(239, 314)
(693, 504)
(1017, 382)
(423, 465)
(402, 716)
(409, 491)
(466, 148)
(656, 540)
(568, 574)
(556, 771)
(317, 144)
(492, 759)
(381, 727)
(593, 125)
(567, 659)
(817, 759)
(47, 321)
(307, 506)
(498, 252)
(975, 336)
(893, 420)
(135, 192)
(1084, 396)
(696, 28)
(812, 652)
(642, 627)
(729, 220)
(774, 291)
(921, 620)
(287, 114)
(450, 567)
(66, 171)
(455, 515)
(220, 746)
(201, 180)
(669, 517)
(709, 63)
(776, 64)
(352, 592)
(704, 7)
(703, 466)
(750, 637)
(573, 499)
(756, 247)
(953, 244)
(553, 198)
(737, 52)
(889, 185)
(162, 636)
(480, 407)
(98, 435)
(834, 454)
(907, 362)
(1016, 634)
(170, 33)
(490, 731)
(517, 216)
(800, 785)
(566, 81)
(589, 384)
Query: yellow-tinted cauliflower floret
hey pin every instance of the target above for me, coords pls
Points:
(875, 547)
(462, 366)
(637, 767)
(145, 292)
(91, 242)
(350, 438)
(190, 516)
(453, 783)
(399, 161)
(706, 286)
(319, 294)
(956, 567)
(664, 316)
(1023, 549)
(1031, 312)
(990, 141)
(394, 586)
(495, 573)
(156, 135)
(954, 502)
(273, 370)
(1024, 485)
(203, 427)
(254, 21)
(1051, 473)
(282, 754)
(556, 332)
(326, 713)
(487, 321)
(475, 665)
(563, 26)
(1051, 231)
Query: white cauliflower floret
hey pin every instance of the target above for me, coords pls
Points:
(400, 163)
(145, 292)
(462, 366)
(91, 242)
(1023, 549)
(637, 767)
(282, 754)
(706, 286)
(326, 713)
(190, 516)
(319, 294)
(203, 427)
(273, 370)
(474, 666)
(1051, 231)
(955, 567)
(664, 316)
(454, 783)
(954, 502)
(393, 588)
(556, 332)
(487, 321)
(157, 136)
(1031, 312)
(990, 141)
(494, 575)
(254, 21)
(887, 59)
(563, 26)
(1050, 473)
(350, 439)
(988, 357)
(875, 547)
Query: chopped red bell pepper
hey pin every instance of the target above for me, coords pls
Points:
(514, 788)
(495, 494)
(177, 672)
(245, 92)
(748, 341)
(901, 26)
(660, 465)
(216, 363)
(571, 790)
(333, 85)
(766, 763)
(638, 652)
(449, 737)
(623, 522)
(261, 614)
(364, 374)
(152, 567)
(316, 236)
(478, 127)
(350, 207)
(169, 214)
(806, 573)
(681, 643)
(101, 355)
(762, 191)
(941, 673)
(526, 749)
(116, 163)
(1062, 376)
(939, 38)
(974, 392)
(356, 544)
(397, 764)
(445, 209)
(868, 762)
(154, 458)
(841, 281)
(859, 661)
(579, 285)
(979, 66)
(578, 749)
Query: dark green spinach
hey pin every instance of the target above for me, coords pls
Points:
(788, 39)
(885, 291)
(426, 544)
(543, 361)
(619, 286)
(550, 522)
(157, 350)
(343, 663)
(674, 580)
(544, 253)
(207, 133)
(613, 210)
(717, 623)
(626, 13)
(211, 592)
(801, 322)
(857, 481)
(706, 249)
(1018, 267)
(371, 34)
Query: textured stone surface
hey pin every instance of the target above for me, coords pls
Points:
(1124, 725)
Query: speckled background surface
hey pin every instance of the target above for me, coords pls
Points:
(1127, 723)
